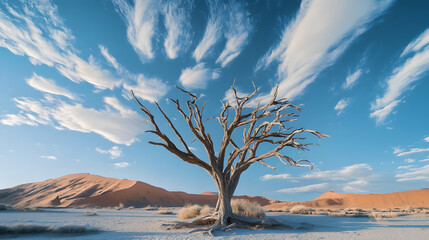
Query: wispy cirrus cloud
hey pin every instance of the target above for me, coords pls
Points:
(413, 151)
(313, 40)
(141, 20)
(414, 174)
(353, 178)
(237, 32)
(50, 157)
(352, 79)
(35, 30)
(402, 78)
(121, 164)
(320, 187)
(213, 31)
(341, 105)
(108, 123)
(198, 76)
(178, 26)
(48, 86)
(426, 139)
(114, 151)
(230, 20)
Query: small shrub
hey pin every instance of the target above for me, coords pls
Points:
(164, 211)
(189, 211)
(149, 208)
(247, 208)
(3, 207)
(205, 210)
(131, 207)
(301, 209)
(91, 213)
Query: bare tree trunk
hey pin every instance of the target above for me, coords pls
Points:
(223, 205)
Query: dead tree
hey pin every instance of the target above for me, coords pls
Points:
(262, 124)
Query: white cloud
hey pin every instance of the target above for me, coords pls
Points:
(351, 79)
(409, 160)
(405, 167)
(114, 152)
(177, 23)
(424, 160)
(341, 105)
(150, 89)
(112, 61)
(49, 86)
(397, 150)
(237, 27)
(301, 58)
(413, 151)
(213, 31)
(413, 174)
(315, 40)
(121, 164)
(115, 123)
(427, 139)
(25, 30)
(356, 186)
(49, 157)
(197, 76)
(403, 77)
(320, 187)
(354, 171)
(141, 21)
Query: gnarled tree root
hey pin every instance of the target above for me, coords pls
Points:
(234, 221)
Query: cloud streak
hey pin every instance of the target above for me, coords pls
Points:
(341, 105)
(198, 76)
(35, 30)
(49, 86)
(320, 187)
(313, 40)
(414, 174)
(114, 152)
(402, 78)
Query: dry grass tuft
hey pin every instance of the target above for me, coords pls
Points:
(247, 208)
(164, 211)
(205, 210)
(189, 211)
(301, 209)
(150, 208)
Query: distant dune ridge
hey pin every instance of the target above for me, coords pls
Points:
(87, 190)
(413, 198)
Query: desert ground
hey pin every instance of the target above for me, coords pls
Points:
(107, 223)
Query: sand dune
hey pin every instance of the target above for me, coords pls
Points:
(413, 198)
(87, 190)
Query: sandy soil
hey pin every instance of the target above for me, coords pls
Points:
(141, 224)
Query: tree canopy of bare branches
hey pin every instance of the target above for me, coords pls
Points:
(260, 124)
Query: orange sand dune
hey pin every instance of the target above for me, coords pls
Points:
(86, 190)
(413, 198)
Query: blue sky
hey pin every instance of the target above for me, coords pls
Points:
(357, 68)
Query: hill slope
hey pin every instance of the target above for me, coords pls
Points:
(87, 190)
(413, 198)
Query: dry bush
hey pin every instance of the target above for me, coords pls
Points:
(91, 212)
(3, 207)
(205, 210)
(164, 211)
(25, 208)
(150, 208)
(337, 214)
(131, 207)
(301, 209)
(189, 211)
(247, 208)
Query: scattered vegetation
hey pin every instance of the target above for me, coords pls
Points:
(247, 208)
(131, 207)
(301, 209)
(240, 207)
(25, 208)
(150, 208)
(119, 207)
(37, 229)
(189, 211)
(91, 212)
(3, 207)
(164, 211)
